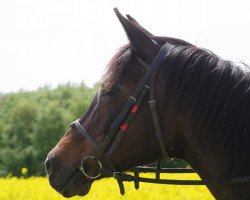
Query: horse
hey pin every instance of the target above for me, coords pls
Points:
(201, 105)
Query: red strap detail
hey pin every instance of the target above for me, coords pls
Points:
(124, 127)
(134, 109)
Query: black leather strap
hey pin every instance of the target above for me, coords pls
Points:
(160, 57)
(127, 121)
(157, 127)
(232, 181)
(154, 66)
(142, 63)
(85, 133)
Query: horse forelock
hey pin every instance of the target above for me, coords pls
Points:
(115, 68)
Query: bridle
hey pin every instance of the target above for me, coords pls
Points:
(121, 124)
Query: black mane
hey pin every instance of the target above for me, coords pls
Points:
(215, 97)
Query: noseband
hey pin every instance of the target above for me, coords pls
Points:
(121, 124)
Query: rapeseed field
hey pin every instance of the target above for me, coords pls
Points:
(38, 188)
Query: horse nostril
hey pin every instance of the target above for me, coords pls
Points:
(47, 164)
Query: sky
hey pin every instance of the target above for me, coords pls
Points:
(51, 42)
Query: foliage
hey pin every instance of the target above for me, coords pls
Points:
(36, 188)
(31, 123)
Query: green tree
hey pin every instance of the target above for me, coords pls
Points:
(31, 123)
(16, 138)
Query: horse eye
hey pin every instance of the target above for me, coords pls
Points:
(111, 92)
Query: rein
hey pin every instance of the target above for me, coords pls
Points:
(121, 124)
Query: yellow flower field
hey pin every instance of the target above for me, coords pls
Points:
(37, 188)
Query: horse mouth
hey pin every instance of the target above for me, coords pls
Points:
(78, 184)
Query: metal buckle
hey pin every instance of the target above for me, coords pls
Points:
(133, 98)
(72, 124)
(114, 174)
(81, 168)
(152, 102)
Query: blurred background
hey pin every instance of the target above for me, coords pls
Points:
(52, 54)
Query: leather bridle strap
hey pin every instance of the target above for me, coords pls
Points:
(154, 67)
(128, 120)
(157, 127)
(232, 181)
(82, 130)
(139, 93)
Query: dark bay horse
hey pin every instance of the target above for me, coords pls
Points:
(203, 106)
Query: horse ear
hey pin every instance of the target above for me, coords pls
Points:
(135, 22)
(139, 38)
